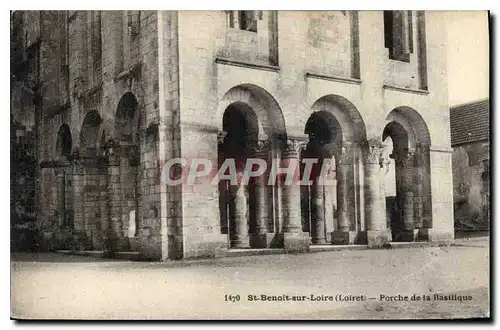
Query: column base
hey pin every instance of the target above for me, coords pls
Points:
(296, 242)
(435, 235)
(240, 243)
(316, 241)
(261, 241)
(344, 237)
(404, 235)
(378, 238)
(135, 243)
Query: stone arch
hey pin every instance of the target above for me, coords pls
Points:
(323, 129)
(241, 125)
(413, 124)
(127, 119)
(89, 134)
(125, 161)
(346, 114)
(270, 117)
(411, 141)
(254, 126)
(63, 173)
(398, 134)
(64, 142)
(336, 134)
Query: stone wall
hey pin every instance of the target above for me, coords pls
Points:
(138, 75)
(305, 73)
(185, 68)
(471, 182)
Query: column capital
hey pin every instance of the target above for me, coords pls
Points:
(406, 158)
(373, 151)
(261, 149)
(294, 147)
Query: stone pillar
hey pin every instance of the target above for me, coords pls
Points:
(331, 201)
(343, 235)
(103, 165)
(293, 237)
(317, 211)
(115, 239)
(131, 155)
(408, 186)
(238, 222)
(91, 208)
(418, 218)
(258, 237)
(377, 234)
(406, 164)
(61, 198)
(78, 192)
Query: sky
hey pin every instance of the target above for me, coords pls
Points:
(468, 56)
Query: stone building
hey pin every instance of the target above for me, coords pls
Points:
(112, 95)
(470, 139)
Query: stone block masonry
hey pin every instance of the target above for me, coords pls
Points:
(145, 87)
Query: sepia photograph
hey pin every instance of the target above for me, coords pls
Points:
(250, 165)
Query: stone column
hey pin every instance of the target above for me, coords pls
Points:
(408, 186)
(331, 201)
(91, 200)
(61, 198)
(377, 234)
(258, 237)
(293, 237)
(223, 185)
(418, 218)
(115, 239)
(405, 161)
(103, 164)
(317, 210)
(78, 192)
(343, 235)
(238, 222)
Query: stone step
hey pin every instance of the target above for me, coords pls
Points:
(126, 255)
(326, 247)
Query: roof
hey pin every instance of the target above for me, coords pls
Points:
(470, 122)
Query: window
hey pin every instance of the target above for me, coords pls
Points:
(398, 34)
(133, 23)
(95, 47)
(64, 58)
(248, 20)
(244, 19)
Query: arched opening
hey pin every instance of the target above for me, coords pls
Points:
(332, 204)
(64, 142)
(127, 117)
(89, 134)
(409, 206)
(125, 169)
(89, 182)
(253, 127)
(64, 178)
(319, 201)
